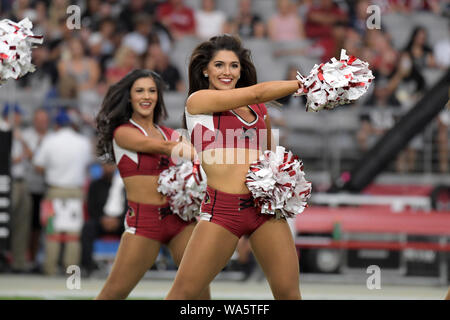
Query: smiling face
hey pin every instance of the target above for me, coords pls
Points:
(143, 97)
(223, 70)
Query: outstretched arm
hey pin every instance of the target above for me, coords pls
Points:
(132, 139)
(209, 101)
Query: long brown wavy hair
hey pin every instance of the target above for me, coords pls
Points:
(205, 51)
(203, 54)
(116, 109)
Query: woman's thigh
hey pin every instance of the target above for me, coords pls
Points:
(135, 256)
(274, 248)
(209, 249)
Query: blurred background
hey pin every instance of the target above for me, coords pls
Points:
(379, 167)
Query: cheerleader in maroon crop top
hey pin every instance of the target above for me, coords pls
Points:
(129, 133)
(133, 163)
(212, 131)
(225, 115)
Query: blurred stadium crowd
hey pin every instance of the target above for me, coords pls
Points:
(407, 53)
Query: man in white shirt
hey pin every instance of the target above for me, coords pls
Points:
(209, 21)
(64, 157)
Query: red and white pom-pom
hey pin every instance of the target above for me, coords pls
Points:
(335, 83)
(185, 186)
(277, 183)
(16, 41)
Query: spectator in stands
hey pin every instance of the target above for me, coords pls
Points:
(420, 53)
(322, 17)
(382, 117)
(410, 6)
(246, 23)
(138, 39)
(125, 60)
(303, 7)
(134, 8)
(34, 136)
(57, 15)
(38, 83)
(358, 18)
(86, 71)
(420, 56)
(156, 60)
(323, 48)
(75, 62)
(53, 58)
(209, 20)
(285, 25)
(21, 10)
(331, 46)
(374, 124)
(63, 158)
(41, 22)
(389, 74)
(20, 198)
(353, 43)
(102, 220)
(383, 59)
(67, 88)
(92, 15)
(416, 57)
(102, 43)
(177, 17)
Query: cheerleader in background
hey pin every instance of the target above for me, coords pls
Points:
(128, 132)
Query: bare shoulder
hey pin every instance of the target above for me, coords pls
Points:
(196, 99)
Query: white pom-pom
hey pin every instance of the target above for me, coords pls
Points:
(335, 83)
(277, 183)
(184, 185)
(16, 41)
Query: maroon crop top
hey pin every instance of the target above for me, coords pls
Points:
(132, 163)
(227, 129)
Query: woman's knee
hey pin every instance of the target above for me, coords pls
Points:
(286, 290)
(114, 291)
(184, 290)
(287, 294)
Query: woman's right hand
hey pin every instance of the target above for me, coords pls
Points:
(301, 89)
(184, 149)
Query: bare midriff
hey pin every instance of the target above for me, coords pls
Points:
(226, 169)
(143, 189)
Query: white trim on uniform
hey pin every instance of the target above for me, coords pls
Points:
(245, 122)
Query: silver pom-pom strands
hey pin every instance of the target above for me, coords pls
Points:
(277, 183)
(185, 186)
(335, 83)
(16, 42)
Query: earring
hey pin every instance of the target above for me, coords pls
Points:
(206, 75)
